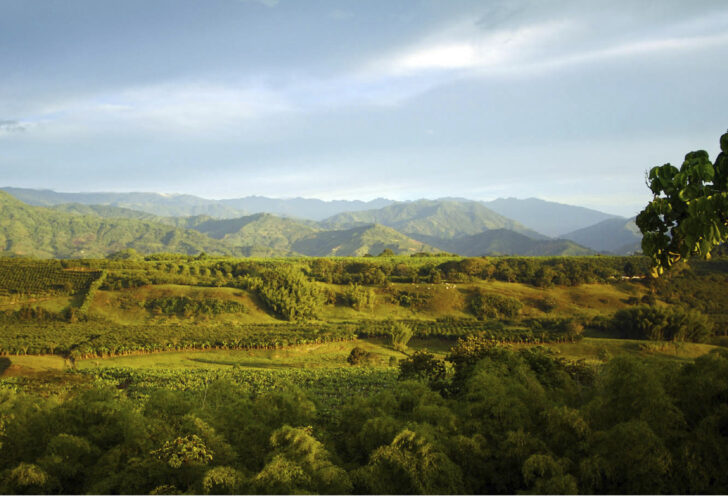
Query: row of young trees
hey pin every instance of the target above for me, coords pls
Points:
(539, 271)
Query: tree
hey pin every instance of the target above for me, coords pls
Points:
(423, 365)
(300, 463)
(411, 464)
(688, 214)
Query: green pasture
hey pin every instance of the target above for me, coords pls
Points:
(334, 355)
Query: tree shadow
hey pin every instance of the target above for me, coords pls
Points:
(4, 364)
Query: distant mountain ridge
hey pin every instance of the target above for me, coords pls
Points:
(189, 205)
(549, 218)
(506, 242)
(431, 218)
(455, 225)
(303, 208)
(618, 236)
(73, 231)
(48, 233)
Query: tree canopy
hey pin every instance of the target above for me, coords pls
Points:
(688, 214)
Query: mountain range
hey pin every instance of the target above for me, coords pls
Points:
(50, 224)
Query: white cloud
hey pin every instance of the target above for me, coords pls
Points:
(464, 48)
(450, 56)
(469, 48)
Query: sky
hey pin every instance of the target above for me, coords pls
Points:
(569, 101)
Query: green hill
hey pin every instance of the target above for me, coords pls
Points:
(359, 241)
(45, 232)
(506, 242)
(432, 218)
(258, 231)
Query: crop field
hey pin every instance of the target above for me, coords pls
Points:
(35, 278)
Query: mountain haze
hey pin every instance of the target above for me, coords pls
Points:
(549, 218)
(506, 242)
(302, 208)
(619, 236)
(453, 225)
(189, 205)
(153, 203)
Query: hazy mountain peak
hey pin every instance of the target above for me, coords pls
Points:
(547, 217)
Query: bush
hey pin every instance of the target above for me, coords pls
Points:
(358, 356)
(424, 366)
(491, 306)
(547, 304)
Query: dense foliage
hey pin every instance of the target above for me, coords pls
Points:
(35, 277)
(185, 306)
(656, 323)
(485, 305)
(505, 422)
(289, 293)
(486, 419)
(94, 339)
(700, 286)
(688, 214)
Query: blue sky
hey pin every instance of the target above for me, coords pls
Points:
(570, 101)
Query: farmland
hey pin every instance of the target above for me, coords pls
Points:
(375, 364)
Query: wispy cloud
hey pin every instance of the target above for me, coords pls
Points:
(465, 50)
(11, 127)
(172, 107)
(267, 3)
(471, 48)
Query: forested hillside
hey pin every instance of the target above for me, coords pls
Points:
(73, 230)
(189, 205)
(359, 241)
(43, 232)
(434, 218)
(506, 242)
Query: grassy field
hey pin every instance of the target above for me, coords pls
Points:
(127, 306)
(334, 355)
